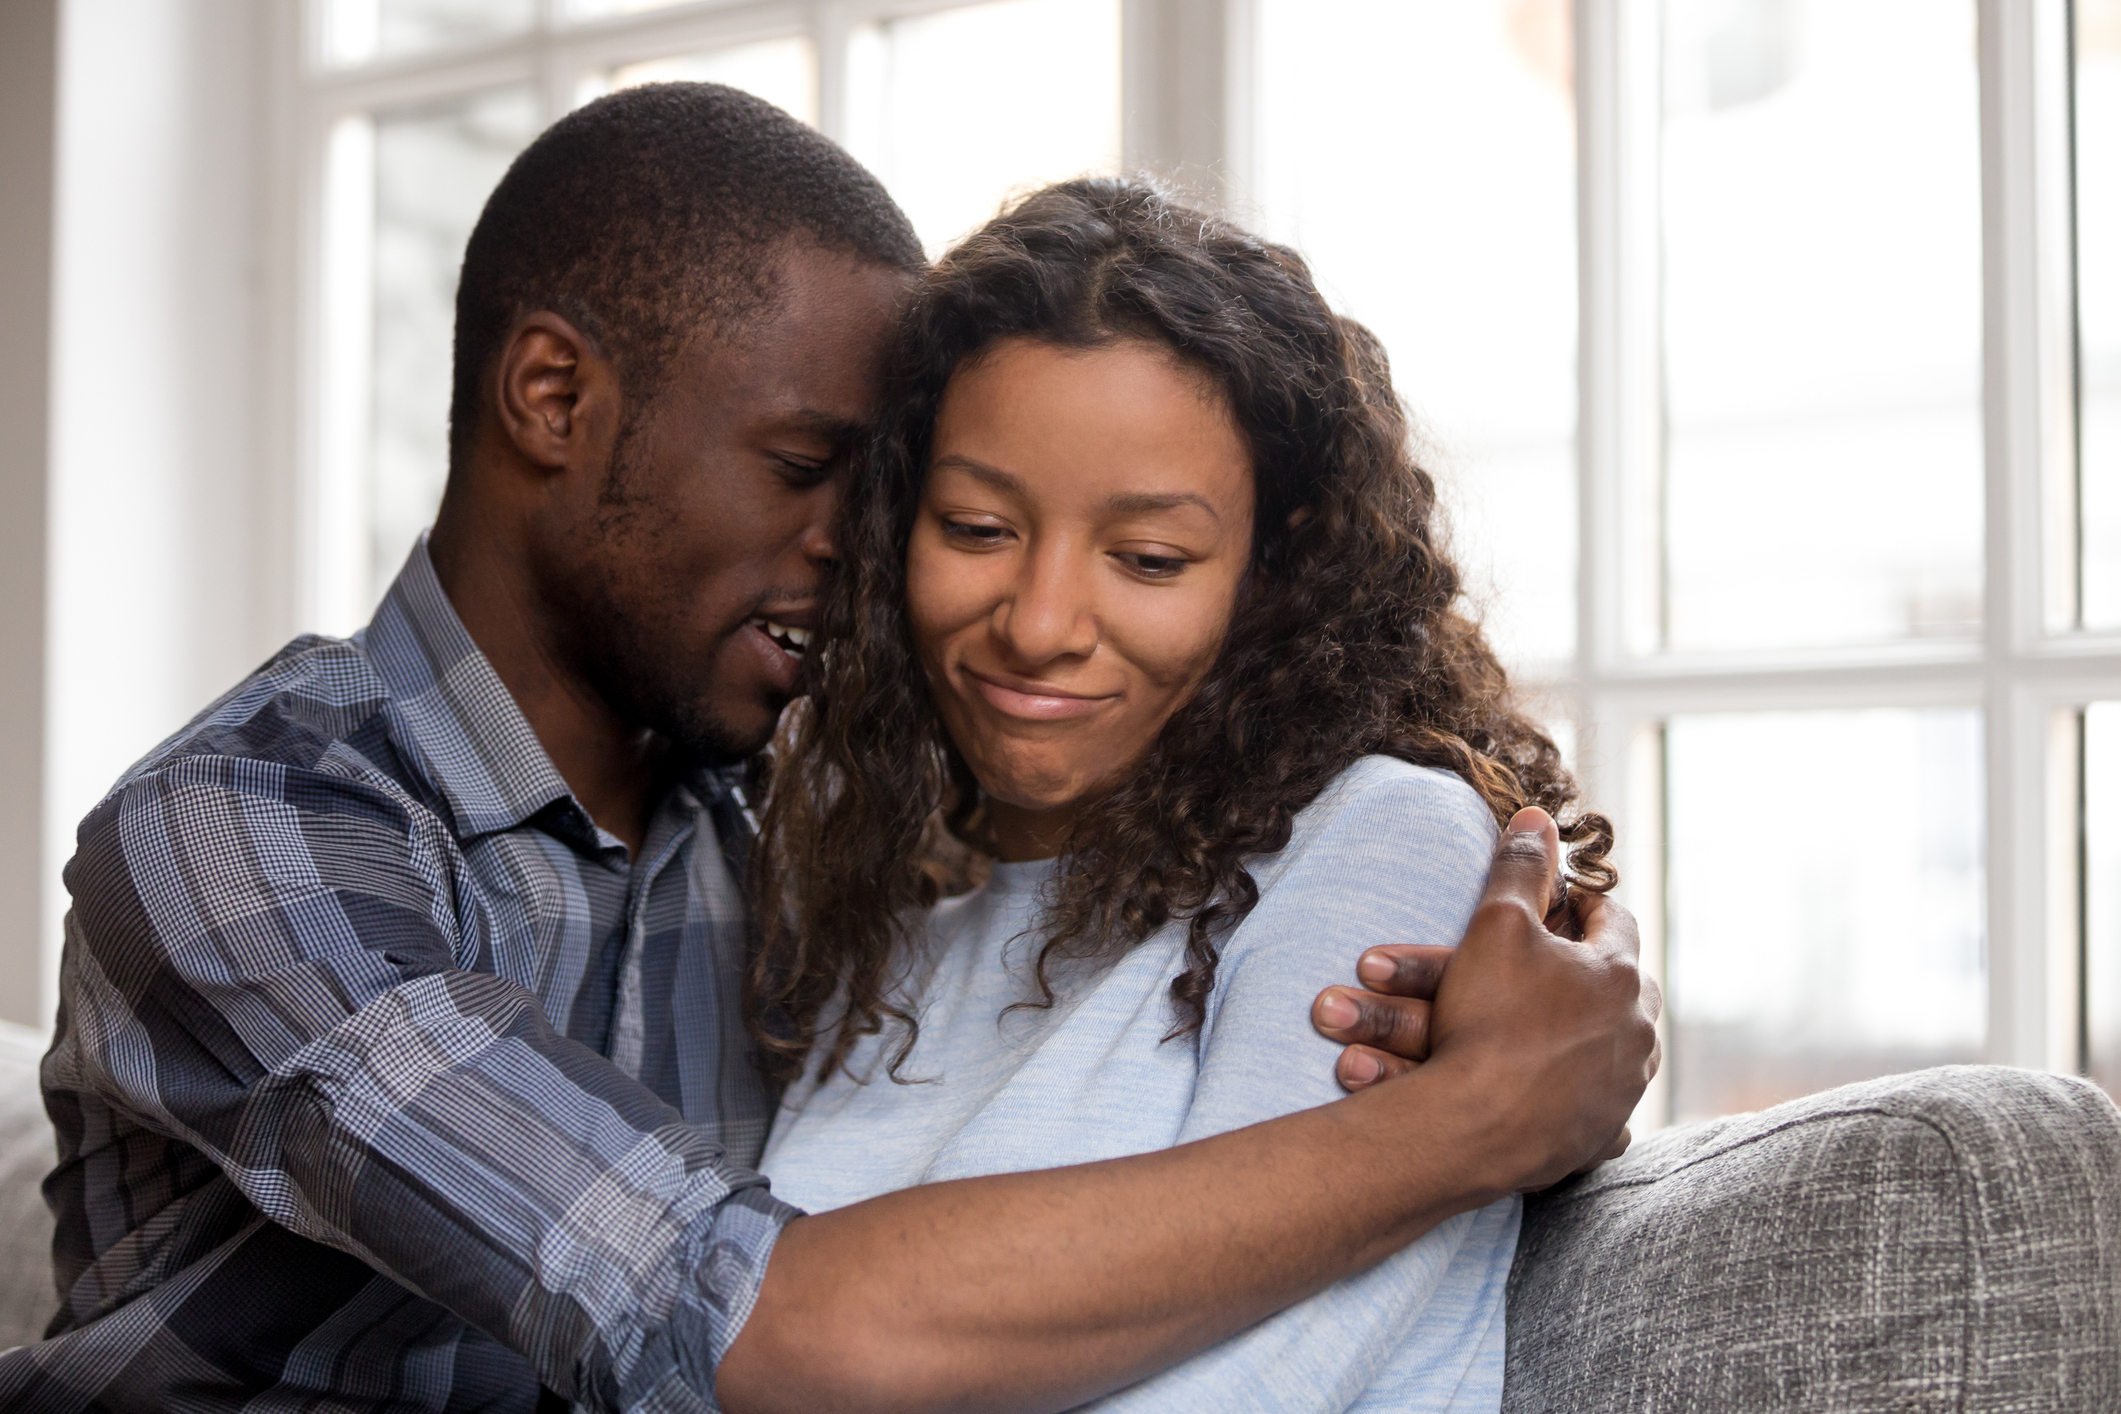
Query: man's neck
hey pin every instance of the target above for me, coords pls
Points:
(617, 771)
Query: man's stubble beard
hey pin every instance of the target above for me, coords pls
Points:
(623, 650)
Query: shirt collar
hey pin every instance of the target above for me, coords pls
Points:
(455, 717)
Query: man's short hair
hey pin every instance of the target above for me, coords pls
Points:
(649, 215)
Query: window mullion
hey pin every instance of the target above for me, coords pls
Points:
(2027, 407)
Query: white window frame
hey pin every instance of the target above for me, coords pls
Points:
(1186, 88)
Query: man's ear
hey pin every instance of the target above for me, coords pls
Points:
(559, 397)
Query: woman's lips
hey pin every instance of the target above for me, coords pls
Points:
(1032, 702)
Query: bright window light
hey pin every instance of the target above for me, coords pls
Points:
(959, 110)
(1827, 907)
(357, 31)
(1422, 155)
(1822, 219)
(2102, 892)
(781, 71)
(2098, 144)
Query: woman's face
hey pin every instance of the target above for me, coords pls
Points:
(1086, 523)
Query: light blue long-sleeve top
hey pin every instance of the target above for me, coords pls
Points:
(1390, 853)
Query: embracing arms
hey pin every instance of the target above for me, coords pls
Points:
(264, 968)
(1037, 1291)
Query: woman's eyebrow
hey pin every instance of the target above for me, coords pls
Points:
(1140, 503)
(994, 476)
(1127, 503)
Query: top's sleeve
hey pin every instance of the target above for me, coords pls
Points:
(1400, 857)
(264, 965)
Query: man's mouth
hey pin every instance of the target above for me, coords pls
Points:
(786, 637)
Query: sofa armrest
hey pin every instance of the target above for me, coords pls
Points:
(1949, 1239)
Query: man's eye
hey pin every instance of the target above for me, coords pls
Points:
(804, 470)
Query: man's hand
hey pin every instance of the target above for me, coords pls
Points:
(1569, 971)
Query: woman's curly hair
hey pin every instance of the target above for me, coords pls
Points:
(1348, 636)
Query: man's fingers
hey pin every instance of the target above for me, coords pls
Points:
(1404, 969)
(1360, 1067)
(1607, 927)
(1397, 1025)
(1527, 860)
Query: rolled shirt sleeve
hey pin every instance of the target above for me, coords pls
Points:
(269, 964)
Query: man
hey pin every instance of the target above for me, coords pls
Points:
(400, 1057)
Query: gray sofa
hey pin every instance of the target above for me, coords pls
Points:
(1944, 1240)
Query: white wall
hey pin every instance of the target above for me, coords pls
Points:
(27, 39)
(153, 519)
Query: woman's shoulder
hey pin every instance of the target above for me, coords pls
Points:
(1385, 794)
(1389, 852)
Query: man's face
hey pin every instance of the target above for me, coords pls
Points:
(688, 587)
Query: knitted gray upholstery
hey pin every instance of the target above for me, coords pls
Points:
(1949, 1239)
(27, 1152)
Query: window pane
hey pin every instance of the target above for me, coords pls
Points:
(356, 31)
(1822, 220)
(434, 169)
(1826, 901)
(781, 71)
(2098, 140)
(2102, 891)
(1421, 153)
(957, 110)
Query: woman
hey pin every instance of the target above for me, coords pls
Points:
(1145, 616)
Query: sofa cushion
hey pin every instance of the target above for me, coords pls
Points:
(1949, 1239)
(27, 1152)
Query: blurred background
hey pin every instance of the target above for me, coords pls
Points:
(1768, 351)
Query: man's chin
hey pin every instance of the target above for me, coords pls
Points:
(716, 736)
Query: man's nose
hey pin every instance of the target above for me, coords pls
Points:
(1049, 614)
(820, 542)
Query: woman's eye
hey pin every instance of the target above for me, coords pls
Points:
(1152, 566)
(969, 532)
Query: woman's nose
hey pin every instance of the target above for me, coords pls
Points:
(1049, 615)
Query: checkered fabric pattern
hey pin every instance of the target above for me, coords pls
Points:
(383, 1076)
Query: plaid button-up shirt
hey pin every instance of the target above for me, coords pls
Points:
(384, 1077)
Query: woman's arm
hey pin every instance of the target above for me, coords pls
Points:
(1038, 1291)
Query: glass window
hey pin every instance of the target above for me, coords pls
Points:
(356, 31)
(1826, 892)
(781, 71)
(1822, 218)
(433, 169)
(2098, 144)
(2102, 892)
(1422, 155)
(957, 110)
(596, 9)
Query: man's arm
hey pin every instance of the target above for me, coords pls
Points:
(263, 963)
(1037, 1291)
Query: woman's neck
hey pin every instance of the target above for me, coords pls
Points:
(1021, 834)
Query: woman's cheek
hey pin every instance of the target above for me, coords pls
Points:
(1176, 640)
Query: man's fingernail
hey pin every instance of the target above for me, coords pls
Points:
(1527, 822)
(1363, 1068)
(1337, 1011)
(1374, 969)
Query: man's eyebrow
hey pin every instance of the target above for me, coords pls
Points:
(830, 426)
